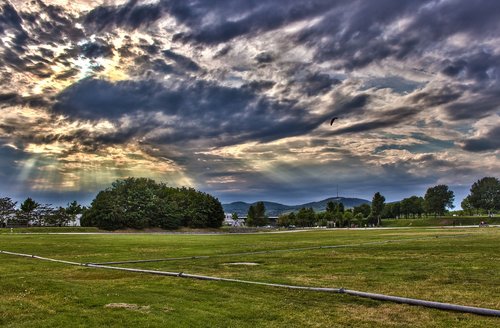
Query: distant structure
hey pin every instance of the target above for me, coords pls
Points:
(229, 221)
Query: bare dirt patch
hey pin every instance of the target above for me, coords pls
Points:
(127, 306)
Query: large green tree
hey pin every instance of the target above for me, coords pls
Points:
(348, 217)
(140, 203)
(72, 210)
(467, 206)
(331, 207)
(27, 210)
(58, 217)
(364, 209)
(485, 194)
(250, 216)
(257, 215)
(260, 214)
(437, 199)
(306, 217)
(378, 203)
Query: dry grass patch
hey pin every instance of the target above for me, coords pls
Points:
(127, 306)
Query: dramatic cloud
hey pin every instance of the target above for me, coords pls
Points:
(236, 97)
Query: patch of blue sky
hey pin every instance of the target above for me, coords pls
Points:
(397, 84)
(430, 145)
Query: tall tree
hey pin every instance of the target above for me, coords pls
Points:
(467, 206)
(485, 194)
(348, 217)
(331, 207)
(359, 219)
(437, 199)
(283, 220)
(306, 217)
(58, 217)
(7, 209)
(250, 216)
(27, 209)
(260, 214)
(378, 203)
(341, 207)
(72, 210)
(364, 209)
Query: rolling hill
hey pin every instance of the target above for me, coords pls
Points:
(275, 209)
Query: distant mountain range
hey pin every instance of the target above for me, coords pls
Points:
(275, 209)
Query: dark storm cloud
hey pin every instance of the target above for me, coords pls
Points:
(238, 18)
(351, 105)
(97, 48)
(198, 109)
(264, 57)
(131, 15)
(260, 85)
(475, 106)
(9, 18)
(11, 22)
(33, 28)
(488, 142)
(351, 32)
(436, 97)
(182, 61)
(14, 99)
(355, 35)
(151, 49)
(385, 119)
(60, 24)
(480, 66)
(318, 83)
(29, 50)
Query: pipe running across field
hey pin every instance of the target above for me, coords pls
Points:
(298, 249)
(380, 297)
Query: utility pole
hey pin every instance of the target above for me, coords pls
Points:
(337, 191)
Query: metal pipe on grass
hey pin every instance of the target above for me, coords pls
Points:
(380, 297)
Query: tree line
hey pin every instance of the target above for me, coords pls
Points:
(336, 215)
(436, 201)
(136, 203)
(484, 197)
(32, 213)
(142, 203)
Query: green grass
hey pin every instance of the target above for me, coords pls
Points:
(440, 221)
(48, 230)
(462, 269)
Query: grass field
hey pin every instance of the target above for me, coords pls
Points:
(461, 268)
(441, 221)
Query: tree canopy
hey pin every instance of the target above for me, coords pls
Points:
(378, 203)
(485, 194)
(257, 215)
(437, 199)
(142, 203)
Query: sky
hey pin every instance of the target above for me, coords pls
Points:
(235, 98)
